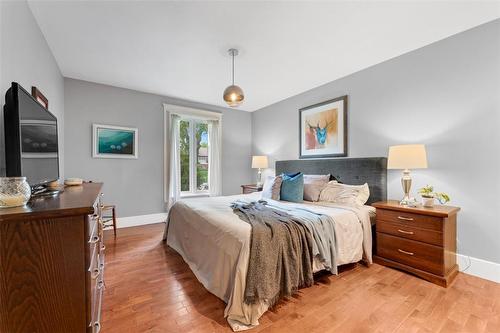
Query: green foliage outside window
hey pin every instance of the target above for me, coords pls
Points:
(201, 130)
(184, 145)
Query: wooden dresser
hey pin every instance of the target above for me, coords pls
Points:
(250, 188)
(52, 263)
(419, 240)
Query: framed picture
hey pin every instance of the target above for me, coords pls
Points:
(40, 98)
(323, 129)
(114, 141)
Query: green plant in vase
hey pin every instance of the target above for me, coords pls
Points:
(428, 196)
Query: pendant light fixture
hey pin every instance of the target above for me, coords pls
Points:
(233, 95)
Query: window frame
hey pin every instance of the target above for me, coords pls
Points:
(182, 112)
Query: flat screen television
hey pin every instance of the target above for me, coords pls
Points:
(31, 143)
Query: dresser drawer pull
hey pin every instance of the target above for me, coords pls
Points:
(406, 252)
(405, 218)
(94, 239)
(406, 232)
(97, 327)
(95, 273)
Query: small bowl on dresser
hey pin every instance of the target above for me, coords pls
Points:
(73, 182)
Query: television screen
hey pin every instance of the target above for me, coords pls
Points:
(31, 142)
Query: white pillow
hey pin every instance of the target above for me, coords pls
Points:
(354, 195)
(272, 187)
(313, 184)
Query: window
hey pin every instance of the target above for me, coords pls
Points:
(193, 144)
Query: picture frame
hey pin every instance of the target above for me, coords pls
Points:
(109, 141)
(40, 98)
(323, 129)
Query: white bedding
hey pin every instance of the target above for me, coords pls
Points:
(215, 244)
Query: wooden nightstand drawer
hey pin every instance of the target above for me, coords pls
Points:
(419, 255)
(411, 219)
(246, 189)
(409, 231)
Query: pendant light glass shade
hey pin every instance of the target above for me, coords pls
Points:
(233, 95)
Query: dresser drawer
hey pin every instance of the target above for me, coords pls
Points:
(94, 260)
(97, 306)
(409, 231)
(93, 231)
(419, 255)
(410, 219)
(96, 288)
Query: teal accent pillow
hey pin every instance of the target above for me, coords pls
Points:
(292, 187)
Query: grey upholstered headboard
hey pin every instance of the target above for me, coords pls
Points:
(353, 171)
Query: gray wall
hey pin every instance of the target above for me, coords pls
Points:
(136, 186)
(26, 58)
(445, 95)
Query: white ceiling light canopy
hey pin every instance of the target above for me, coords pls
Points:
(233, 94)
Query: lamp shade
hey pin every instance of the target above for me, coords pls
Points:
(259, 162)
(407, 157)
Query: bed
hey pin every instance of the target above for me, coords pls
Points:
(215, 243)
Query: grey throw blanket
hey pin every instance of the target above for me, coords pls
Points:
(322, 229)
(281, 253)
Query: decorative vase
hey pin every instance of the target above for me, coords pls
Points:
(428, 202)
(14, 191)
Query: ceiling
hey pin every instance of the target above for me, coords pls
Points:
(179, 49)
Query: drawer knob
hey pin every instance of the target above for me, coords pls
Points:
(405, 232)
(94, 239)
(406, 252)
(405, 218)
(95, 273)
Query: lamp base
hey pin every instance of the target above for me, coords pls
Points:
(406, 184)
(259, 178)
(407, 201)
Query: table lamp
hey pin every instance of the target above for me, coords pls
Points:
(259, 162)
(406, 157)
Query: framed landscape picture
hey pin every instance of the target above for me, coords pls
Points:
(323, 129)
(114, 141)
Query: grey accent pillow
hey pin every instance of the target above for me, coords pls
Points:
(272, 188)
(313, 185)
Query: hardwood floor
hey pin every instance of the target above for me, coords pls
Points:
(149, 288)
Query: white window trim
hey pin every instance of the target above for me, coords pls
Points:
(191, 113)
(185, 113)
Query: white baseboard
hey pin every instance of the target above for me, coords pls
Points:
(133, 221)
(481, 268)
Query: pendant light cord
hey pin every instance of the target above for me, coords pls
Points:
(232, 53)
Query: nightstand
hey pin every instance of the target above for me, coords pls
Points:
(245, 189)
(418, 240)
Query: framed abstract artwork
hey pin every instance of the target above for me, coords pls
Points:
(323, 129)
(114, 141)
